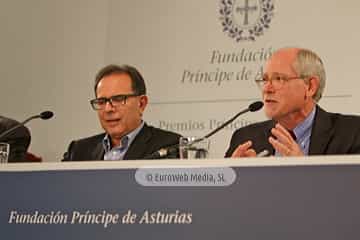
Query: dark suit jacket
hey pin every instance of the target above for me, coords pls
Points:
(332, 133)
(149, 140)
(19, 139)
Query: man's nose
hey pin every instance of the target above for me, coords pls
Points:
(268, 87)
(109, 106)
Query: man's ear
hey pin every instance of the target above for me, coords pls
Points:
(143, 101)
(313, 84)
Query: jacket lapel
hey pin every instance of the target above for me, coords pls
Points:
(266, 135)
(137, 149)
(98, 151)
(321, 134)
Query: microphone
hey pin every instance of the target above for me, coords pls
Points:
(44, 115)
(163, 152)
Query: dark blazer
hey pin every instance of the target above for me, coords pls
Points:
(332, 133)
(148, 141)
(19, 139)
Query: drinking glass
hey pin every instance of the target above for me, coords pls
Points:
(193, 148)
(4, 152)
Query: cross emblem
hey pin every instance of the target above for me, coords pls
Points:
(245, 10)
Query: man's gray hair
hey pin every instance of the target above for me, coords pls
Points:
(308, 63)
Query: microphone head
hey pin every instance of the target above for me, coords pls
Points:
(255, 106)
(46, 115)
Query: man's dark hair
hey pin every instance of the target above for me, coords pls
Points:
(137, 81)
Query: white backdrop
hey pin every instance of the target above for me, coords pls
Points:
(51, 51)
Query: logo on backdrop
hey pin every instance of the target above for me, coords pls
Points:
(245, 20)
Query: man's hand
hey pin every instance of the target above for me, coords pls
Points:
(244, 150)
(284, 143)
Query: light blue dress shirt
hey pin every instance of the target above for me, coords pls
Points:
(118, 152)
(303, 133)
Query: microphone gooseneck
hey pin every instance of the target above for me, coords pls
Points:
(255, 106)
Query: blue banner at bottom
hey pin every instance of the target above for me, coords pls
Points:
(269, 202)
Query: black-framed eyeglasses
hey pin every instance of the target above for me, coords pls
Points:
(117, 100)
(277, 81)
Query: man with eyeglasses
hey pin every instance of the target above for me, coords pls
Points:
(120, 103)
(293, 83)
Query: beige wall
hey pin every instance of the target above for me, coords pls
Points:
(50, 51)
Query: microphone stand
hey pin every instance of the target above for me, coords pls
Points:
(44, 115)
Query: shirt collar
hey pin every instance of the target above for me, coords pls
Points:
(129, 138)
(305, 127)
